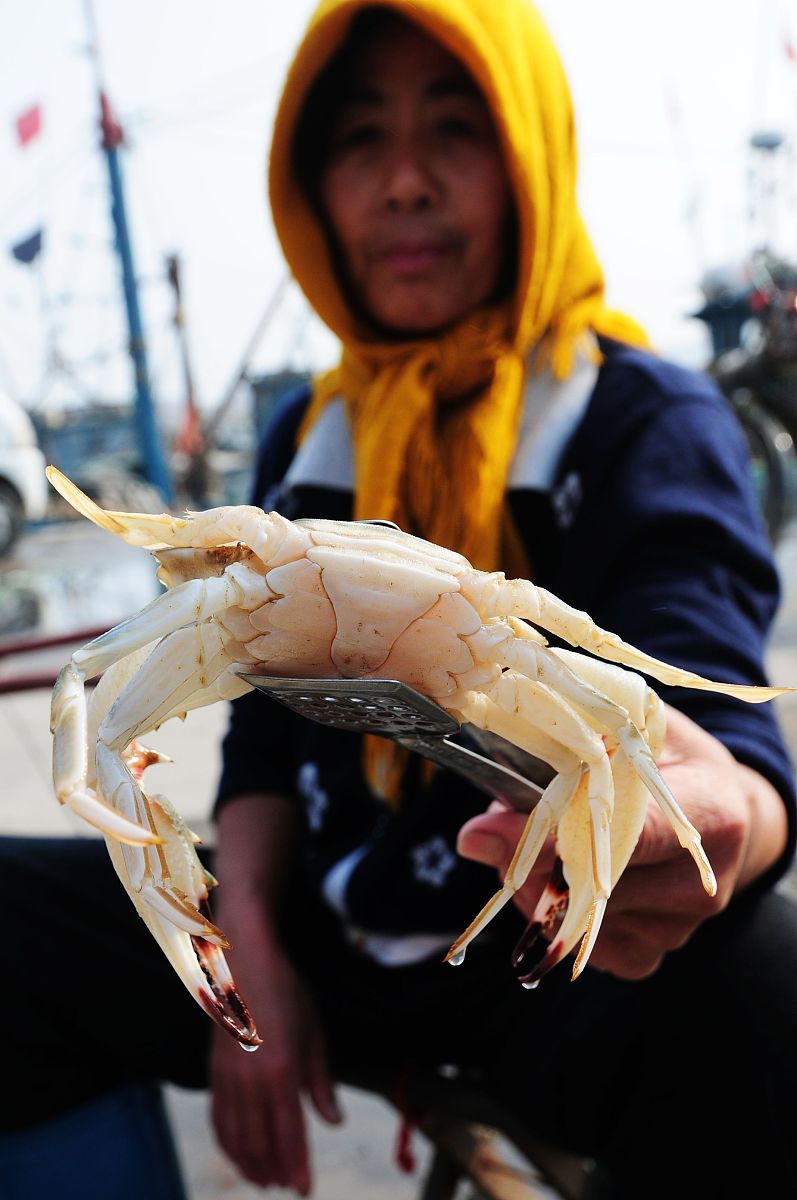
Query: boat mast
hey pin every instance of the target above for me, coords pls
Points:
(112, 137)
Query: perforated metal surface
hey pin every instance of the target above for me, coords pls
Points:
(392, 709)
(382, 706)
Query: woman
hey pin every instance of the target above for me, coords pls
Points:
(422, 183)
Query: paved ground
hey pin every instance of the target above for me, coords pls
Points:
(62, 579)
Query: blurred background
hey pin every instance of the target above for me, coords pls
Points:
(686, 113)
(147, 322)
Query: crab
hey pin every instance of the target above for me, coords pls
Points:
(249, 591)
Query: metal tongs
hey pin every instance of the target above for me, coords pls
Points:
(394, 710)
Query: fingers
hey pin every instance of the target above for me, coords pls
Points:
(633, 945)
(318, 1082)
(289, 1137)
(243, 1130)
(655, 907)
(258, 1118)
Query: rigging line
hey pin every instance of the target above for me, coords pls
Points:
(298, 344)
(60, 365)
(240, 139)
(162, 364)
(65, 302)
(146, 194)
(270, 311)
(212, 107)
(190, 100)
(76, 260)
(69, 157)
(167, 125)
(63, 369)
(99, 359)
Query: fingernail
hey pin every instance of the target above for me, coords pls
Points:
(483, 847)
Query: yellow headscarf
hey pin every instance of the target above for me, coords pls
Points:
(435, 464)
(451, 488)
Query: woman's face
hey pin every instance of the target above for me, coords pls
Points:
(413, 186)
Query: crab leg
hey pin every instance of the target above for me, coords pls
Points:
(166, 688)
(633, 705)
(155, 824)
(269, 535)
(540, 693)
(614, 718)
(547, 940)
(635, 770)
(68, 726)
(190, 602)
(567, 909)
(194, 600)
(497, 596)
(154, 693)
(589, 868)
(517, 709)
(542, 820)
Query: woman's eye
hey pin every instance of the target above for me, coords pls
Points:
(457, 127)
(354, 136)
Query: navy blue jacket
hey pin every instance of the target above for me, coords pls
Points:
(652, 527)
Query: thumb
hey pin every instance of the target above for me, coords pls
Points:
(491, 837)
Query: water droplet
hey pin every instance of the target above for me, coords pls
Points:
(529, 984)
(248, 1049)
(458, 959)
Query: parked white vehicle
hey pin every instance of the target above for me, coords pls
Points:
(23, 484)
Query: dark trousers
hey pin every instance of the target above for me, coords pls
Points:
(696, 1065)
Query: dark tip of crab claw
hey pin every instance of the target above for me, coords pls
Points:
(222, 1002)
(536, 951)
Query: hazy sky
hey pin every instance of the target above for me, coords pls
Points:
(667, 96)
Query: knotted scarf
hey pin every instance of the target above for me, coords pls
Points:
(435, 421)
(436, 463)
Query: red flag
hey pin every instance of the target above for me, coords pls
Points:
(788, 47)
(189, 439)
(29, 124)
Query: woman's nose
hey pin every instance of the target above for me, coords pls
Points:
(409, 184)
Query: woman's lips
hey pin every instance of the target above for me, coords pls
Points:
(412, 259)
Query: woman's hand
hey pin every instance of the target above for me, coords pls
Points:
(257, 1098)
(659, 901)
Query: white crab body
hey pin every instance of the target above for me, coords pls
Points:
(248, 589)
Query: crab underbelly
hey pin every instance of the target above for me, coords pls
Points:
(304, 633)
(333, 615)
(428, 656)
(297, 637)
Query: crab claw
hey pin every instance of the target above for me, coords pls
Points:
(221, 1000)
(573, 902)
(168, 886)
(535, 955)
